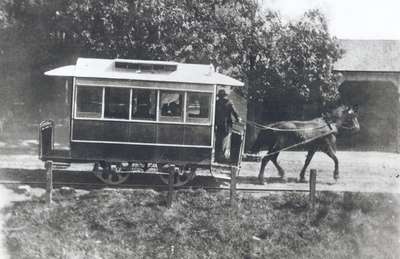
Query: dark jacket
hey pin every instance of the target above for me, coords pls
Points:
(223, 114)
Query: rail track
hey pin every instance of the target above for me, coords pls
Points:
(83, 185)
(49, 183)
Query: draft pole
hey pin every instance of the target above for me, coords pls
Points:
(313, 183)
(233, 186)
(49, 181)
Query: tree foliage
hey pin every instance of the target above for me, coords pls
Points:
(278, 61)
(297, 67)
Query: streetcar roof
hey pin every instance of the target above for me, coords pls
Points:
(145, 70)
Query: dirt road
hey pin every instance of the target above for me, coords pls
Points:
(359, 171)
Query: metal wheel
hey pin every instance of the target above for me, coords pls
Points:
(110, 173)
(145, 166)
(135, 167)
(182, 174)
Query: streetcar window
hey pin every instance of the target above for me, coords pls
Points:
(198, 107)
(144, 103)
(171, 106)
(116, 103)
(89, 102)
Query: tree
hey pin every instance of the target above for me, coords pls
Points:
(297, 69)
(278, 61)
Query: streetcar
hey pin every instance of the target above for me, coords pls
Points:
(130, 116)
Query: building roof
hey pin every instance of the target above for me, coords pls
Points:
(369, 55)
(131, 70)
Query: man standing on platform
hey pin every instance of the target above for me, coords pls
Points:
(223, 123)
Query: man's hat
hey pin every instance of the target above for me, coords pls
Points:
(221, 93)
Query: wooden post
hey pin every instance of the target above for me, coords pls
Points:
(170, 186)
(313, 181)
(49, 181)
(233, 186)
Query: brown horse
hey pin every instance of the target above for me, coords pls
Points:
(314, 135)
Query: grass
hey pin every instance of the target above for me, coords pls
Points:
(136, 224)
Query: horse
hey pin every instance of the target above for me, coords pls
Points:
(314, 135)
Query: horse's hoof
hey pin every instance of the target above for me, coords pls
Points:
(283, 178)
(302, 180)
(261, 181)
(336, 177)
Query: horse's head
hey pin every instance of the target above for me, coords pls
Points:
(345, 118)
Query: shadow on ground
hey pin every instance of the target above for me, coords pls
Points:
(37, 178)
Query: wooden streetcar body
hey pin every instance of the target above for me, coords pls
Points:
(143, 111)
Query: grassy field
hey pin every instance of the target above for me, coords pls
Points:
(136, 224)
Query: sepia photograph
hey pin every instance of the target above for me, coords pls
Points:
(192, 129)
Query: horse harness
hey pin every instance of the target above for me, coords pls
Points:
(331, 131)
(261, 126)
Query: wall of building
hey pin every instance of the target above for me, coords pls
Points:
(377, 95)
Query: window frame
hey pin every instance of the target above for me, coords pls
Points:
(158, 102)
(104, 104)
(210, 107)
(131, 104)
(75, 113)
(183, 107)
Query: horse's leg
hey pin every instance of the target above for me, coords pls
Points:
(264, 162)
(310, 155)
(268, 157)
(331, 153)
(274, 160)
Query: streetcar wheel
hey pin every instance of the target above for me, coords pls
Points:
(182, 175)
(110, 173)
(145, 166)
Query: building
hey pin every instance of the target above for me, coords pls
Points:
(371, 79)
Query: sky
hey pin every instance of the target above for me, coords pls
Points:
(348, 19)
